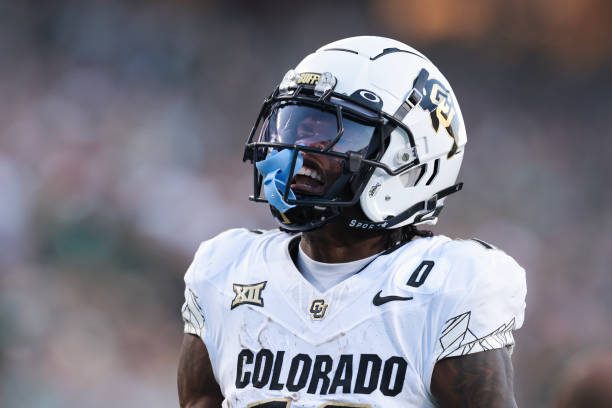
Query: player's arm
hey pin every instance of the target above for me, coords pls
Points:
(197, 386)
(476, 380)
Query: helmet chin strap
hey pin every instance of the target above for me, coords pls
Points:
(276, 169)
(429, 206)
(308, 218)
(304, 218)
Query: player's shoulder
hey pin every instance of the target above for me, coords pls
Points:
(475, 262)
(473, 251)
(218, 254)
(467, 250)
(458, 263)
(233, 241)
(455, 250)
(236, 238)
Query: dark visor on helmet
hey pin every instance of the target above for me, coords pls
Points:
(303, 125)
(304, 154)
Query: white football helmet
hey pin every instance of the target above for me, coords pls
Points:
(385, 118)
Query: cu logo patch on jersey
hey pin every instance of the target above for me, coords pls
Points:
(317, 309)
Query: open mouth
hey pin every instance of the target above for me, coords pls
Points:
(310, 179)
(311, 173)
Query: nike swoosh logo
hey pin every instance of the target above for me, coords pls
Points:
(381, 300)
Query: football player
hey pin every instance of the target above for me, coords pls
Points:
(348, 303)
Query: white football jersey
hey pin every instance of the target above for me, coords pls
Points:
(370, 341)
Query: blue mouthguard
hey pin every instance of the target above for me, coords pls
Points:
(275, 170)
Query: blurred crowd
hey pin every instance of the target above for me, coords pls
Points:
(121, 133)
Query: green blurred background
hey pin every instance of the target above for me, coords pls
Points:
(121, 133)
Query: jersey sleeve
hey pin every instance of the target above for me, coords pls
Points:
(207, 275)
(482, 303)
(192, 310)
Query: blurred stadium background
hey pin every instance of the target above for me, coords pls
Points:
(121, 133)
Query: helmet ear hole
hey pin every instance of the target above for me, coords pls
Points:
(412, 177)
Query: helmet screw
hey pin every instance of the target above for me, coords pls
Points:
(404, 155)
(387, 198)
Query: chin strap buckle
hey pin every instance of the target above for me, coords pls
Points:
(431, 204)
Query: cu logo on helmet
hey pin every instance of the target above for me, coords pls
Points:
(440, 104)
(445, 111)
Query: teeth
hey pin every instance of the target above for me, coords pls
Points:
(315, 175)
(308, 172)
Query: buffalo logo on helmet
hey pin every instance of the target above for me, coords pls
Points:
(308, 78)
(438, 100)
